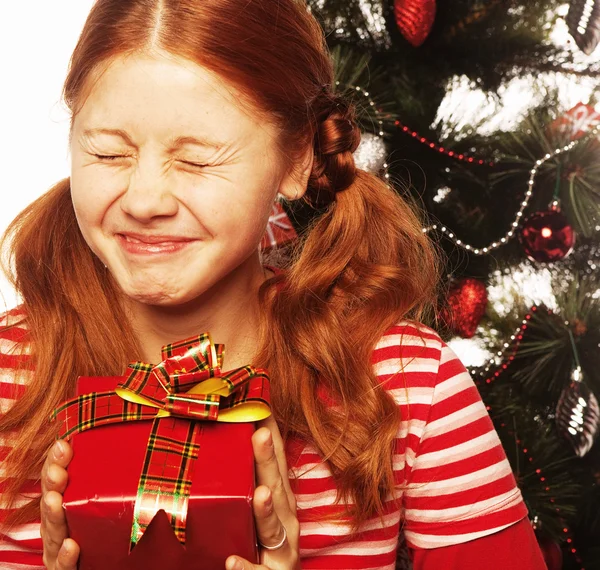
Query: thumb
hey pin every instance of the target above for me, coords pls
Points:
(237, 563)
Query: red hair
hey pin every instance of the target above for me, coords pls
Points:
(363, 266)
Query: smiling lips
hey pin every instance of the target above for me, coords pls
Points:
(142, 244)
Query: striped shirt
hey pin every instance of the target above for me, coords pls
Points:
(454, 481)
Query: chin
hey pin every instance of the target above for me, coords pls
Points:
(160, 297)
(149, 289)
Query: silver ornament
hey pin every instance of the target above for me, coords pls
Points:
(583, 21)
(371, 153)
(578, 414)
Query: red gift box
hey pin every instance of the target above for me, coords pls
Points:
(576, 122)
(103, 483)
(112, 501)
(279, 229)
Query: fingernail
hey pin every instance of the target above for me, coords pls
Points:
(59, 449)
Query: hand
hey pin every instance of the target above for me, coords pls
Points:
(274, 504)
(60, 552)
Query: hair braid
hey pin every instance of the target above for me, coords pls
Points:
(337, 137)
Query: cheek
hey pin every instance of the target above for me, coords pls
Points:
(238, 220)
(91, 201)
(92, 194)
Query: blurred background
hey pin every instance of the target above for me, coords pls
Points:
(484, 114)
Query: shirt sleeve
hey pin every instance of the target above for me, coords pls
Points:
(459, 483)
(21, 545)
(515, 547)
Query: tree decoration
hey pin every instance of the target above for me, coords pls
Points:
(517, 221)
(441, 149)
(506, 355)
(583, 21)
(545, 462)
(415, 19)
(279, 229)
(578, 414)
(579, 185)
(371, 153)
(466, 304)
(547, 236)
(577, 411)
(510, 233)
(546, 358)
(576, 122)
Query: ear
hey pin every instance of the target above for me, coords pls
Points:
(294, 184)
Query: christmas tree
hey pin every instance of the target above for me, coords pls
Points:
(509, 186)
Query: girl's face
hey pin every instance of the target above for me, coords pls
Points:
(172, 180)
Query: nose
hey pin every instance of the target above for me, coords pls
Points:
(148, 195)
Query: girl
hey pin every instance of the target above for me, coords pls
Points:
(189, 118)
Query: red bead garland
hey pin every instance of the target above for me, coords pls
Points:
(518, 337)
(441, 149)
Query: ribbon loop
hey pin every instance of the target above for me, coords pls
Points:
(194, 406)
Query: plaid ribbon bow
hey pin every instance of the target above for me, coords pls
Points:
(185, 387)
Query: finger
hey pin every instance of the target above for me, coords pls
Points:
(56, 478)
(237, 563)
(54, 524)
(60, 454)
(281, 458)
(267, 469)
(269, 528)
(68, 555)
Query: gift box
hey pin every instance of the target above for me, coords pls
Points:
(576, 122)
(164, 486)
(279, 230)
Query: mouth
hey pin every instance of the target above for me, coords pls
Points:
(142, 244)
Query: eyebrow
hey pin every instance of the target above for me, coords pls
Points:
(174, 144)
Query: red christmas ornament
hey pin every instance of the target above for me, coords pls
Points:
(551, 551)
(415, 19)
(547, 236)
(466, 304)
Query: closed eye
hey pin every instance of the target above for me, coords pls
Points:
(193, 164)
(115, 157)
(108, 157)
